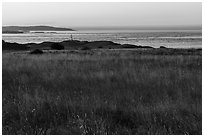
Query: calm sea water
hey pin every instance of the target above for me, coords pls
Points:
(154, 38)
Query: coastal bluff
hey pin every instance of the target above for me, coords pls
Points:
(69, 45)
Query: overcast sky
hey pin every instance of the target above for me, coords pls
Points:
(102, 14)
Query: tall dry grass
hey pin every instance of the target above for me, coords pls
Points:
(115, 92)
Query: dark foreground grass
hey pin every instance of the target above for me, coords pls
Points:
(112, 92)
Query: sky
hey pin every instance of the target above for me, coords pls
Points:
(109, 14)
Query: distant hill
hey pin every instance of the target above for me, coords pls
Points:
(7, 29)
(12, 32)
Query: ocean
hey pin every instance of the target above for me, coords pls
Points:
(154, 38)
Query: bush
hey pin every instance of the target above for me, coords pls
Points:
(57, 46)
(85, 48)
(36, 51)
(162, 47)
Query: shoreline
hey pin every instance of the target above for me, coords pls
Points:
(77, 45)
(87, 47)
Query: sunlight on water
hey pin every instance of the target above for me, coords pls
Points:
(171, 39)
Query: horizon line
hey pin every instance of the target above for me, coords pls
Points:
(186, 27)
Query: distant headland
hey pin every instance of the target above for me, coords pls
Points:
(23, 29)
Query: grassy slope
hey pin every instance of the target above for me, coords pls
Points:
(111, 92)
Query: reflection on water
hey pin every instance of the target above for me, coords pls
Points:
(172, 39)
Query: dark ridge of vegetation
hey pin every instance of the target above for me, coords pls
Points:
(36, 51)
(57, 46)
(162, 47)
(13, 46)
(128, 46)
(136, 46)
(85, 48)
(71, 45)
(144, 47)
(102, 92)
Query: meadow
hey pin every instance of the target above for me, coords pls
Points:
(102, 92)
